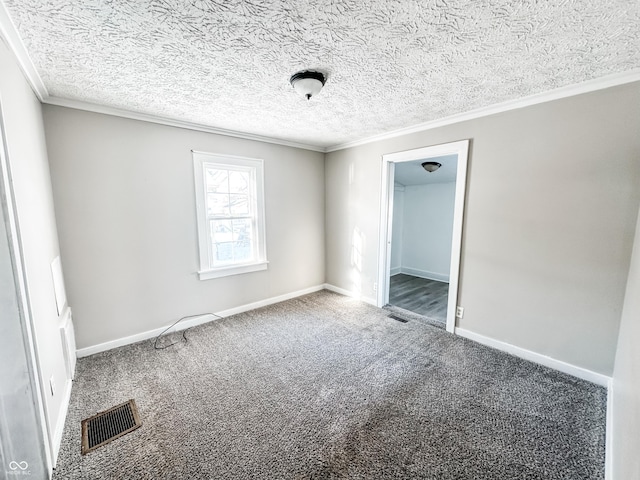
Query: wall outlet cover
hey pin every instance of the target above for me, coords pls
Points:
(459, 312)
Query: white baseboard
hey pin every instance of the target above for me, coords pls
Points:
(270, 301)
(439, 277)
(192, 322)
(608, 449)
(348, 293)
(559, 365)
(395, 271)
(138, 337)
(62, 416)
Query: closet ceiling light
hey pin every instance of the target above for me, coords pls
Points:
(431, 166)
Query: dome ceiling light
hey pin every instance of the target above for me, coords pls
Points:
(307, 83)
(431, 166)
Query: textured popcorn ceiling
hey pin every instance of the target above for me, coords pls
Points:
(390, 64)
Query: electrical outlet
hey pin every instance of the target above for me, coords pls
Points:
(459, 311)
(375, 287)
(52, 385)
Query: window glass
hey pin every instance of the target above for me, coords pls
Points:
(230, 209)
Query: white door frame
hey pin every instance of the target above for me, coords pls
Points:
(461, 149)
(15, 244)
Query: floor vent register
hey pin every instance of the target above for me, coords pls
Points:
(398, 318)
(106, 426)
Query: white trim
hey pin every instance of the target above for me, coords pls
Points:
(461, 150)
(62, 416)
(15, 44)
(583, 373)
(15, 240)
(601, 83)
(138, 337)
(385, 231)
(234, 270)
(10, 35)
(349, 293)
(395, 271)
(440, 150)
(146, 117)
(254, 167)
(608, 449)
(59, 291)
(439, 277)
(192, 322)
(68, 338)
(270, 301)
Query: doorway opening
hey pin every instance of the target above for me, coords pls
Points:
(421, 231)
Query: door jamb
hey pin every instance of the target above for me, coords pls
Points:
(7, 199)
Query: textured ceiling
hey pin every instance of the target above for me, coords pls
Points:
(390, 64)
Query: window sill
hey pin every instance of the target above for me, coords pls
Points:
(233, 270)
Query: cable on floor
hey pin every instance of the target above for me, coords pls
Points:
(184, 332)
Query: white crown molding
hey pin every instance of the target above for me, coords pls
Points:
(93, 107)
(10, 35)
(559, 93)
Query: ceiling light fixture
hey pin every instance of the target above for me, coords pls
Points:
(307, 83)
(431, 166)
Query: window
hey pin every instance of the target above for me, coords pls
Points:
(230, 208)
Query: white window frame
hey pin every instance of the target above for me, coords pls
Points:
(200, 161)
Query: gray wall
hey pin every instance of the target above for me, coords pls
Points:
(427, 230)
(125, 203)
(552, 197)
(626, 378)
(27, 157)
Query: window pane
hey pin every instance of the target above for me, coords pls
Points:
(221, 231)
(222, 253)
(243, 239)
(217, 180)
(230, 197)
(239, 204)
(242, 252)
(239, 182)
(217, 204)
(222, 241)
(232, 241)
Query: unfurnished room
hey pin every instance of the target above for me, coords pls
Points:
(342, 239)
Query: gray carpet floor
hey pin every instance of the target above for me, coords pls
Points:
(324, 386)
